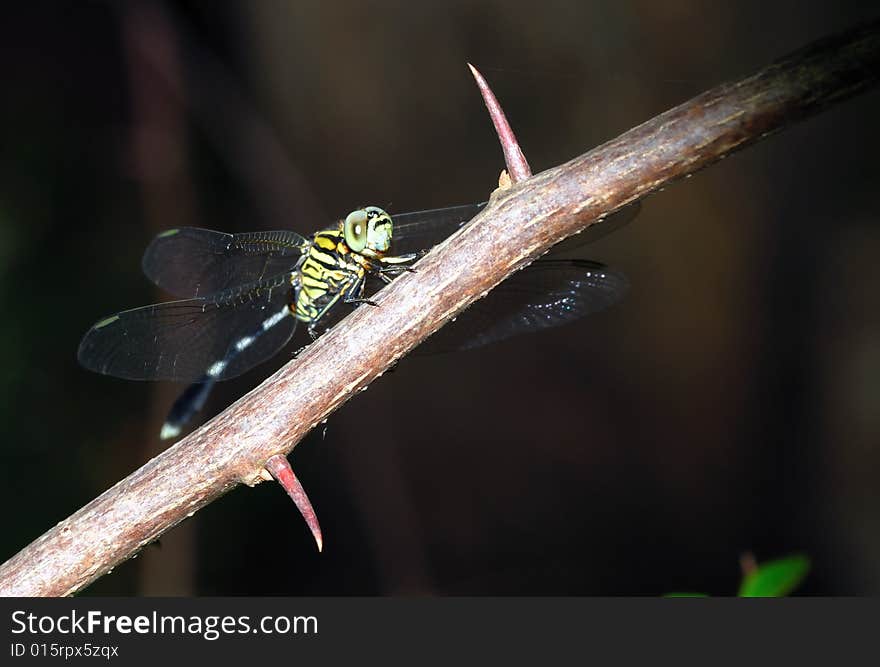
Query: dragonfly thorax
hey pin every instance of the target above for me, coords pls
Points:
(338, 261)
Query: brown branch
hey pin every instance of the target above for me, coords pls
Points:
(531, 216)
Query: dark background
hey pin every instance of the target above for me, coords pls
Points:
(730, 404)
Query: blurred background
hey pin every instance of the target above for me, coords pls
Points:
(729, 405)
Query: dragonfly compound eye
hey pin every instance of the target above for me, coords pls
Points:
(355, 230)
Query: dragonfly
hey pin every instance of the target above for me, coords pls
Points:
(240, 297)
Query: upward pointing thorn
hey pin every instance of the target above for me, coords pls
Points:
(517, 165)
(280, 469)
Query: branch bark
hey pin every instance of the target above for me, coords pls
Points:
(531, 216)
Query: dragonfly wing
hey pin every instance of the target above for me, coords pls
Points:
(220, 336)
(192, 262)
(421, 230)
(598, 230)
(550, 292)
(547, 293)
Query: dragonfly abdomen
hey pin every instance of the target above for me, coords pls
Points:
(193, 399)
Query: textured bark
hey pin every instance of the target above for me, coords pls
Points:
(530, 216)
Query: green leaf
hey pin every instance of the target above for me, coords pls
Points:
(776, 578)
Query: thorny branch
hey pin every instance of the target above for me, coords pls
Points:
(234, 447)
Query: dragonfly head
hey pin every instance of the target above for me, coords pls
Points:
(368, 229)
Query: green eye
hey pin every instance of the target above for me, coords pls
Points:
(355, 230)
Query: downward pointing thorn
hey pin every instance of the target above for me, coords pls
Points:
(280, 469)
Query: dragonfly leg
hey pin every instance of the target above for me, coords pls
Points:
(369, 302)
(358, 288)
(392, 268)
(396, 270)
(399, 263)
(403, 259)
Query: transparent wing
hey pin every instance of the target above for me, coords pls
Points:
(424, 229)
(192, 262)
(223, 335)
(597, 230)
(420, 230)
(550, 292)
(547, 293)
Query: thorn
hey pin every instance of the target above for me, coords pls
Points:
(280, 469)
(516, 162)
